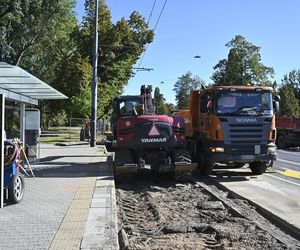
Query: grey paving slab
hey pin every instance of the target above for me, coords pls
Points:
(33, 223)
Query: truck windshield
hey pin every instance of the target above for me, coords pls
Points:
(129, 107)
(244, 103)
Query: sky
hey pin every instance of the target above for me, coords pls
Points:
(203, 27)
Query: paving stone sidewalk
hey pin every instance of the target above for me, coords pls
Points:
(69, 205)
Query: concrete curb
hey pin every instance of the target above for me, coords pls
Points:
(276, 220)
(101, 227)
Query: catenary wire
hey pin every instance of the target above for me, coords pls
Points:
(155, 26)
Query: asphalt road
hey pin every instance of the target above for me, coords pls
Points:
(276, 191)
(287, 166)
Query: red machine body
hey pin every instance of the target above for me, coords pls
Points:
(145, 140)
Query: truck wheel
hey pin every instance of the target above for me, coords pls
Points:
(182, 155)
(281, 143)
(16, 191)
(205, 166)
(258, 167)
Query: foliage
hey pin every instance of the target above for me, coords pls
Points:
(44, 37)
(290, 94)
(29, 27)
(289, 104)
(293, 80)
(121, 44)
(243, 65)
(170, 108)
(36, 35)
(159, 101)
(183, 86)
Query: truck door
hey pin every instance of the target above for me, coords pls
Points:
(205, 113)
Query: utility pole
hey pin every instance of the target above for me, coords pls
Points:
(95, 80)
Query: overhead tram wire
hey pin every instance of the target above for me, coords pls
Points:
(151, 12)
(149, 18)
(160, 14)
(155, 26)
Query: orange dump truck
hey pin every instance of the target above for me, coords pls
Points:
(231, 125)
(288, 131)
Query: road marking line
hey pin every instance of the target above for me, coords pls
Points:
(292, 162)
(291, 182)
(289, 173)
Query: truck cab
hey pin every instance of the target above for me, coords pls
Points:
(232, 125)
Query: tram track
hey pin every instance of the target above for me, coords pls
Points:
(190, 212)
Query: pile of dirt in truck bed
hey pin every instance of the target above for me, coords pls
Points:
(180, 214)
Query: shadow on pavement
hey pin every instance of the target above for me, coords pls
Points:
(231, 176)
(71, 170)
(48, 159)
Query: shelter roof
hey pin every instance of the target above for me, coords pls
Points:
(19, 85)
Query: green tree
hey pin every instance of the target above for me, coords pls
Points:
(28, 26)
(242, 66)
(289, 105)
(159, 102)
(120, 45)
(170, 108)
(293, 80)
(183, 86)
(44, 37)
(37, 35)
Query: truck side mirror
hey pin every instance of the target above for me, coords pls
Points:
(277, 98)
(276, 107)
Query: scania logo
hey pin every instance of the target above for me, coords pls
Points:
(149, 140)
(246, 120)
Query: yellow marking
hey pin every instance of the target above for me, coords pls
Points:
(289, 173)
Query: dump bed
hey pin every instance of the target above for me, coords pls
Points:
(288, 123)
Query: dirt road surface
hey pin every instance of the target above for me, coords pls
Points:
(181, 213)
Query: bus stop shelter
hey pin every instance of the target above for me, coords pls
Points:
(16, 84)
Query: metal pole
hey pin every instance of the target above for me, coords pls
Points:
(94, 87)
(22, 123)
(2, 108)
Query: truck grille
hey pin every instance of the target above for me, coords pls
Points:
(241, 138)
(245, 133)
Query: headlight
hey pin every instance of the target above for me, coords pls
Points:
(217, 149)
(271, 150)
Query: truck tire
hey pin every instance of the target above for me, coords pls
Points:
(281, 142)
(16, 190)
(258, 167)
(182, 155)
(205, 166)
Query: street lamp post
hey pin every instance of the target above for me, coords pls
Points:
(94, 85)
